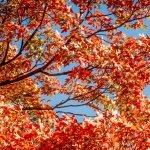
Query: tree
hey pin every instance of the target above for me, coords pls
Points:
(102, 68)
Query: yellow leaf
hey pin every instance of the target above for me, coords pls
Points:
(16, 40)
(127, 26)
(144, 27)
(148, 18)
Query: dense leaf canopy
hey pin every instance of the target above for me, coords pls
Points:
(78, 49)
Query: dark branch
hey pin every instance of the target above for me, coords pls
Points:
(26, 43)
(109, 29)
(57, 74)
(28, 74)
(71, 113)
(36, 108)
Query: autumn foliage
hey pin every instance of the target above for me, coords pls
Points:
(76, 50)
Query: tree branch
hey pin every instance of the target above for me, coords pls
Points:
(26, 43)
(109, 29)
(83, 115)
(28, 74)
(56, 74)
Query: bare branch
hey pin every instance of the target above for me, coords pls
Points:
(57, 74)
(76, 114)
(36, 108)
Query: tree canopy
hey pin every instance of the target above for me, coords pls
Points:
(75, 48)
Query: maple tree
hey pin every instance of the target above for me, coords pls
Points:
(42, 41)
